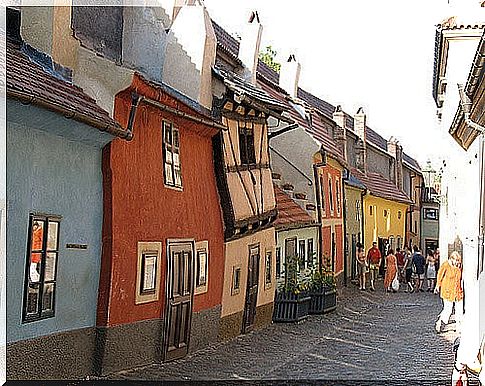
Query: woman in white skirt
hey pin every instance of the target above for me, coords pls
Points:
(431, 271)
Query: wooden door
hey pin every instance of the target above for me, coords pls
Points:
(180, 284)
(251, 290)
(353, 264)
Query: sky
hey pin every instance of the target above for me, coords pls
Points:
(376, 54)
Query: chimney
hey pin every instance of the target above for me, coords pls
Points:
(361, 146)
(340, 133)
(249, 47)
(191, 52)
(290, 75)
(395, 149)
(48, 29)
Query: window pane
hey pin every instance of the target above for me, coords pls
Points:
(48, 297)
(37, 235)
(168, 174)
(168, 133)
(202, 268)
(52, 229)
(175, 138)
(242, 148)
(50, 266)
(33, 299)
(250, 148)
(268, 267)
(34, 267)
(178, 176)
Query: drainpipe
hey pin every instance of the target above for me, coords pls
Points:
(465, 104)
(319, 214)
(345, 177)
(362, 233)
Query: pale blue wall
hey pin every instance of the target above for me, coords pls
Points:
(54, 174)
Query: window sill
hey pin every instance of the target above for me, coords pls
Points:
(176, 188)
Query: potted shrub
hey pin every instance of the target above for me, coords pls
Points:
(317, 291)
(292, 300)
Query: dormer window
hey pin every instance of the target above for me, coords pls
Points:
(246, 146)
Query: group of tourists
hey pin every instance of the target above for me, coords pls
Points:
(413, 269)
(401, 267)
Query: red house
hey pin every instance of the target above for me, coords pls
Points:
(163, 237)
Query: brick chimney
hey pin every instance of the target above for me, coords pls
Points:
(361, 146)
(290, 76)
(250, 45)
(340, 132)
(395, 149)
(191, 35)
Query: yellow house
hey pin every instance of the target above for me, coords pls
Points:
(384, 210)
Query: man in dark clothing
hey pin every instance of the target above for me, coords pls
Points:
(400, 263)
(419, 263)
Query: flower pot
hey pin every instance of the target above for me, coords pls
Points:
(330, 299)
(289, 307)
(317, 302)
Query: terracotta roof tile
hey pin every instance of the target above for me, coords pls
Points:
(380, 186)
(32, 80)
(289, 212)
(225, 41)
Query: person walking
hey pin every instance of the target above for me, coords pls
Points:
(391, 270)
(400, 264)
(374, 260)
(361, 266)
(408, 269)
(418, 262)
(448, 283)
(430, 271)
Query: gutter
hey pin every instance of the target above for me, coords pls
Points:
(283, 130)
(113, 129)
(465, 104)
(182, 114)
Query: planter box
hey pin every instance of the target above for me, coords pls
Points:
(317, 302)
(330, 300)
(289, 307)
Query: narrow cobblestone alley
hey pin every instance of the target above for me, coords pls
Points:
(371, 336)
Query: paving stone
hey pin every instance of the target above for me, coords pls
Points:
(371, 336)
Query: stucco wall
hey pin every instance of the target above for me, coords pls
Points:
(237, 255)
(291, 156)
(353, 195)
(139, 207)
(376, 225)
(51, 174)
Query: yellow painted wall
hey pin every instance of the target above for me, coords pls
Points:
(237, 255)
(376, 225)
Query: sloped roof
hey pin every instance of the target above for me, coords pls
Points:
(411, 161)
(381, 187)
(243, 88)
(231, 45)
(317, 129)
(289, 212)
(27, 79)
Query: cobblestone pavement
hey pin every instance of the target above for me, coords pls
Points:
(371, 336)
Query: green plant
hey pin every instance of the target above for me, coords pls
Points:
(268, 57)
(294, 280)
(323, 276)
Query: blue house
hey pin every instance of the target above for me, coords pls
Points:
(55, 139)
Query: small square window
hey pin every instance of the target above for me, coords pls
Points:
(236, 280)
(148, 272)
(268, 269)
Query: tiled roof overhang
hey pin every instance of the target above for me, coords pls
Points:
(28, 82)
(290, 214)
(459, 130)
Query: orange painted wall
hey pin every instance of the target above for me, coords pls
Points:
(339, 250)
(138, 207)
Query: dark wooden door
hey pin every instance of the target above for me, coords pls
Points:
(251, 290)
(353, 264)
(180, 285)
